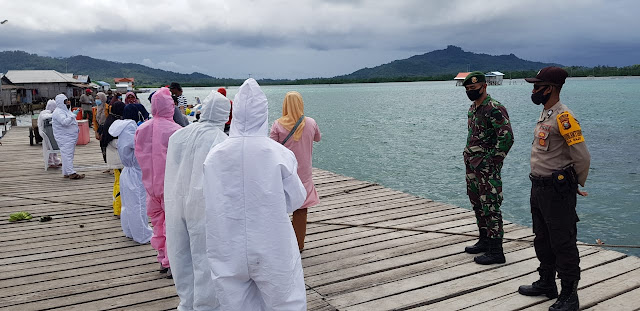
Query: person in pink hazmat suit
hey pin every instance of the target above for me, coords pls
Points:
(151, 142)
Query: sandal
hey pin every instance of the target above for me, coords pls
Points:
(66, 176)
(76, 176)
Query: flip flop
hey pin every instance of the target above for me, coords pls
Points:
(76, 176)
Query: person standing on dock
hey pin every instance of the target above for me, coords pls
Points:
(297, 133)
(65, 131)
(86, 103)
(184, 203)
(489, 140)
(151, 141)
(134, 219)
(559, 162)
(54, 160)
(251, 184)
(110, 144)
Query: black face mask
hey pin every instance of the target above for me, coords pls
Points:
(539, 98)
(474, 94)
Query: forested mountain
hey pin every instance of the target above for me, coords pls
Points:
(447, 62)
(104, 70)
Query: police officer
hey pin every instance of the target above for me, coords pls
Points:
(559, 162)
(488, 142)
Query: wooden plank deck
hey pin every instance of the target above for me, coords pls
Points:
(368, 248)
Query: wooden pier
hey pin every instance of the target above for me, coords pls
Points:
(368, 248)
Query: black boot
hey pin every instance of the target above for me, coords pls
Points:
(481, 246)
(493, 255)
(568, 300)
(545, 286)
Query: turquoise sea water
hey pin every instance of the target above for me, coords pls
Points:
(410, 137)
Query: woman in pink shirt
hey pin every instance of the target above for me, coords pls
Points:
(301, 143)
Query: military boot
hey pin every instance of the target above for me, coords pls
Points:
(568, 299)
(546, 285)
(481, 246)
(493, 255)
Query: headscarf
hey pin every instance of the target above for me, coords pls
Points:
(101, 114)
(128, 101)
(115, 114)
(135, 112)
(292, 110)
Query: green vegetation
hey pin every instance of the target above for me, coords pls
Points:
(439, 65)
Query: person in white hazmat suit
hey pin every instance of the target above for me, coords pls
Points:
(65, 131)
(184, 204)
(251, 183)
(47, 113)
(133, 195)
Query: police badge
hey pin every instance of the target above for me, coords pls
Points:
(564, 120)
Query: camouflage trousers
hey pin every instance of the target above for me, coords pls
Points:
(484, 188)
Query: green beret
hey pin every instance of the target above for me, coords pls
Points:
(474, 77)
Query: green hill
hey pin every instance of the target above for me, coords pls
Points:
(105, 70)
(446, 62)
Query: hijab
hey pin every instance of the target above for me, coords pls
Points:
(101, 115)
(292, 110)
(128, 101)
(115, 114)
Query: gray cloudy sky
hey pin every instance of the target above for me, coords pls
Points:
(319, 38)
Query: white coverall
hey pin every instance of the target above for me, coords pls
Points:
(47, 113)
(65, 130)
(133, 195)
(251, 183)
(184, 204)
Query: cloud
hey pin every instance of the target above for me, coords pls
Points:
(311, 38)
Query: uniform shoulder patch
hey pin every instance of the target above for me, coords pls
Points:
(569, 128)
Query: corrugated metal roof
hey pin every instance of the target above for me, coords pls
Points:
(119, 80)
(37, 76)
(461, 76)
(497, 73)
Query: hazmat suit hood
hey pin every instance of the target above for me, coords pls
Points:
(119, 125)
(162, 104)
(250, 111)
(184, 203)
(60, 98)
(51, 105)
(215, 109)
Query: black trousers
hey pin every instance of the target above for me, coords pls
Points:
(554, 217)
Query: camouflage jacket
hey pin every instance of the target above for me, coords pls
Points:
(490, 134)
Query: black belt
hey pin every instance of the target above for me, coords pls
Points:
(541, 181)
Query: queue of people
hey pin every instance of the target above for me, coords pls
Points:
(219, 205)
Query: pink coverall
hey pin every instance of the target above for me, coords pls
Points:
(151, 141)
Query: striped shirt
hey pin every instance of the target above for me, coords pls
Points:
(182, 101)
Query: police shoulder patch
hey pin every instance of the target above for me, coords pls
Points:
(569, 128)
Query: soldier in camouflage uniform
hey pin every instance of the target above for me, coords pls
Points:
(489, 140)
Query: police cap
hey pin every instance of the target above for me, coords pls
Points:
(550, 75)
(474, 77)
